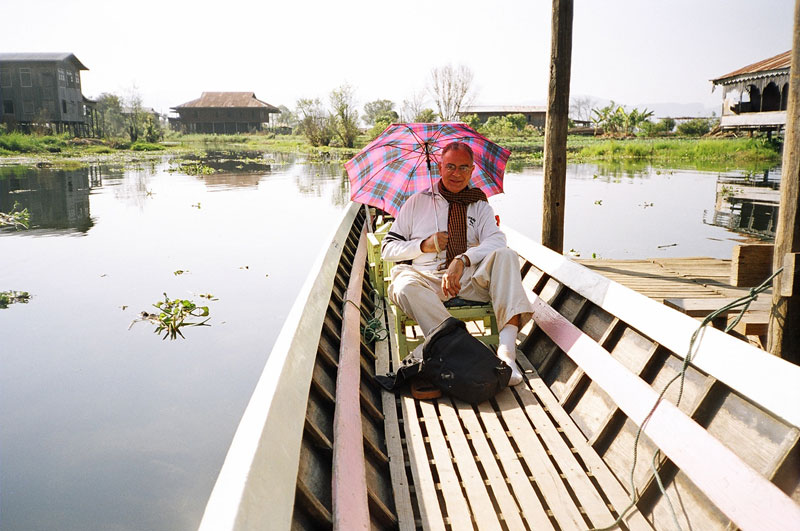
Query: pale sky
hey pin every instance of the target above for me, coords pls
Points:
(634, 52)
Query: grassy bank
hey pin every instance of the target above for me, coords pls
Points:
(734, 150)
(712, 153)
(699, 153)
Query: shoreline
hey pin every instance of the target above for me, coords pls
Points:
(698, 153)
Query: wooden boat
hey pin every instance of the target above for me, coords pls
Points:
(321, 446)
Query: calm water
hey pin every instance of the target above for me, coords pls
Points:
(114, 429)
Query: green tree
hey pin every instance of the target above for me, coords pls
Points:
(286, 118)
(662, 127)
(109, 110)
(517, 120)
(614, 118)
(696, 127)
(377, 109)
(345, 115)
(472, 120)
(315, 122)
(382, 121)
(134, 114)
(425, 116)
(499, 127)
(153, 132)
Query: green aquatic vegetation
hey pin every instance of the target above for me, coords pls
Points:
(16, 218)
(173, 315)
(193, 168)
(709, 152)
(12, 297)
(146, 146)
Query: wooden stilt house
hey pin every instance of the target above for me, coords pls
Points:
(44, 89)
(224, 113)
(755, 96)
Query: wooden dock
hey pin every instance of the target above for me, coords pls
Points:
(688, 278)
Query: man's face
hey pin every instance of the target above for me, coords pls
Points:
(456, 170)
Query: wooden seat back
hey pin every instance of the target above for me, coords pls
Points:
(728, 448)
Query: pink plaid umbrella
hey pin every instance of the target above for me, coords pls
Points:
(402, 161)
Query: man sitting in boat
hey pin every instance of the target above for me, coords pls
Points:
(476, 265)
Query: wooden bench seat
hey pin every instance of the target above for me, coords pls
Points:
(480, 314)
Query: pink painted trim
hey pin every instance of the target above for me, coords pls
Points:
(349, 483)
(751, 501)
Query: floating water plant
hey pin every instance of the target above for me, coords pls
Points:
(173, 315)
(195, 168)
(16, 218)
(11, 297)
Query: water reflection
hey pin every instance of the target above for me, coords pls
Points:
(311, 180)
(57, 200)
(130, 431)
(748, 203)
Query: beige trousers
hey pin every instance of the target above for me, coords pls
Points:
(496, 279)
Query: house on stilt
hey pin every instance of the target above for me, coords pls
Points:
(754, 97)
(44, 90)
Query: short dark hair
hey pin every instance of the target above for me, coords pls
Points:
(458, 146)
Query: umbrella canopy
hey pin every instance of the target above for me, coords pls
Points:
(403, 159)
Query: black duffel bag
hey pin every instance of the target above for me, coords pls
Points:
(455, 362)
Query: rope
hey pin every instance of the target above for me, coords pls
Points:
(744, 303)
(374, 330)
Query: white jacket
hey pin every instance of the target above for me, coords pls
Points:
(416, 221)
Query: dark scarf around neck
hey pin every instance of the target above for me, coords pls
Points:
(457, 218)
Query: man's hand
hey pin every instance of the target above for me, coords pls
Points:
(451, 281)
(428, 245)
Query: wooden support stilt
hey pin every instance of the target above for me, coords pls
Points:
(784, 322)
(555, 138)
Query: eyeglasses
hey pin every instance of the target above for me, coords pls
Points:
(450, 168)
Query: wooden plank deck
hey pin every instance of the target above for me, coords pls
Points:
(688, 278)
(515, 462)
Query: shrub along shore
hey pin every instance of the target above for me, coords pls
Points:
(719, 153)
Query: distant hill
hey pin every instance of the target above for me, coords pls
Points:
(660, 110)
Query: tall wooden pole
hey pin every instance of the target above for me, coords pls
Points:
(555, 134)
(784, 321)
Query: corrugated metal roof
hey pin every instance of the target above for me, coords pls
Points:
(43, 57)
(502, 108)
(228, 99)
(779, 62)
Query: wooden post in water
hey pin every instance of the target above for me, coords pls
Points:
(784, 321)
(555, 135)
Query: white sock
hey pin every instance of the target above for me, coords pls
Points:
(508, 337)
(507, 351)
